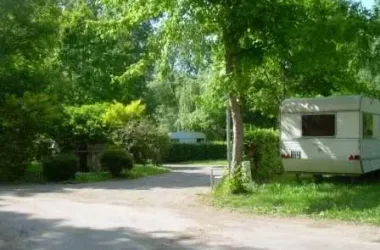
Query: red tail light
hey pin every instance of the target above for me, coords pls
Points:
(285, 156)
(354, 157)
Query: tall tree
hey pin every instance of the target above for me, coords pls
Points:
(98, 47)
(28, 42)
(244, 34)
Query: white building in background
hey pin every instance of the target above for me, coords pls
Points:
(187, 137)
(331, 135)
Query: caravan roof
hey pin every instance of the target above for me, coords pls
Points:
(186, 135)
(322, 104)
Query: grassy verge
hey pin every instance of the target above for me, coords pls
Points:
(334, 198)
(33, 174)
(207, 163)
(143, 171)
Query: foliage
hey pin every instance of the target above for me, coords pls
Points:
(60, 167)
(335, 198)
(182, 152)
(262, 149)
(237, 182)
(182, 59)
(22, 119)
(143, 140)
(187, 103)
(28, 39)
(86, 122)
(99, 53)
(93, 122)
(118, 114)
(44, 146)
(33, 174)
(28, 36)
(116, 160)
(249, 49)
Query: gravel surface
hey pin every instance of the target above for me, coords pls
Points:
(160, 212)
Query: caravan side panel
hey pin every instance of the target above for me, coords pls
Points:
(322, 154)
(370, 155)
(370, 148)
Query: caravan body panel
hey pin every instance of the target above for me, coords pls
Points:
(322, 135)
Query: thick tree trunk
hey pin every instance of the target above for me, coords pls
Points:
(238, 131)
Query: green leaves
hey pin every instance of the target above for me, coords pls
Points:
(86, 122)
(103, 55)
(118, 115)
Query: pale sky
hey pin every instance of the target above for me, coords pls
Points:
(367, 3)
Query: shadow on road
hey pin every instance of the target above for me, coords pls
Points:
(180, 178)
(21, 231)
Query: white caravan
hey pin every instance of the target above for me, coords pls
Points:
(187, 137)
(330, 135)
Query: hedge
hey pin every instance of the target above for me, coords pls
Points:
(60, 167)
(262, 149)
(116, 160)
(195, 152)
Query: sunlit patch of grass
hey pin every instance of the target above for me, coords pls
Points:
(330, 199)
(148, 170)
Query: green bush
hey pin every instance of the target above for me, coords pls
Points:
(179, 152)
(262, 148)
(22, 119)
(60, 167)
(116, 160)
(144, 140)
(237, 182)
(86, 122)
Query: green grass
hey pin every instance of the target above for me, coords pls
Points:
(334, 198)
(33, 174)
(148, 170)
(206, 163)
(138, 171)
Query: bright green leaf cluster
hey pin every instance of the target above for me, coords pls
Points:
(117, 114)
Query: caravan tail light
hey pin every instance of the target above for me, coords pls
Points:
(285, 156)
(354, 157)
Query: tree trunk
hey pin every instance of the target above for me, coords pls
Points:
(238, 131)
(234, 103)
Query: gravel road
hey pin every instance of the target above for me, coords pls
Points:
(160, 212)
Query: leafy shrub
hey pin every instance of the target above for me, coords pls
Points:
(116, 160)
(144, 140)
(86, 122)
(180, 152)
(118, 114)
(262, 148)
(237, 182)
(60, 167)
(22, 119)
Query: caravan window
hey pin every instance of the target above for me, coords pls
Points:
(367, 125)
(318, 125)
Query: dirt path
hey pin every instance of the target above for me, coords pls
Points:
(159, 212)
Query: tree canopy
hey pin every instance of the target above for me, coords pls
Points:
(178, 63)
